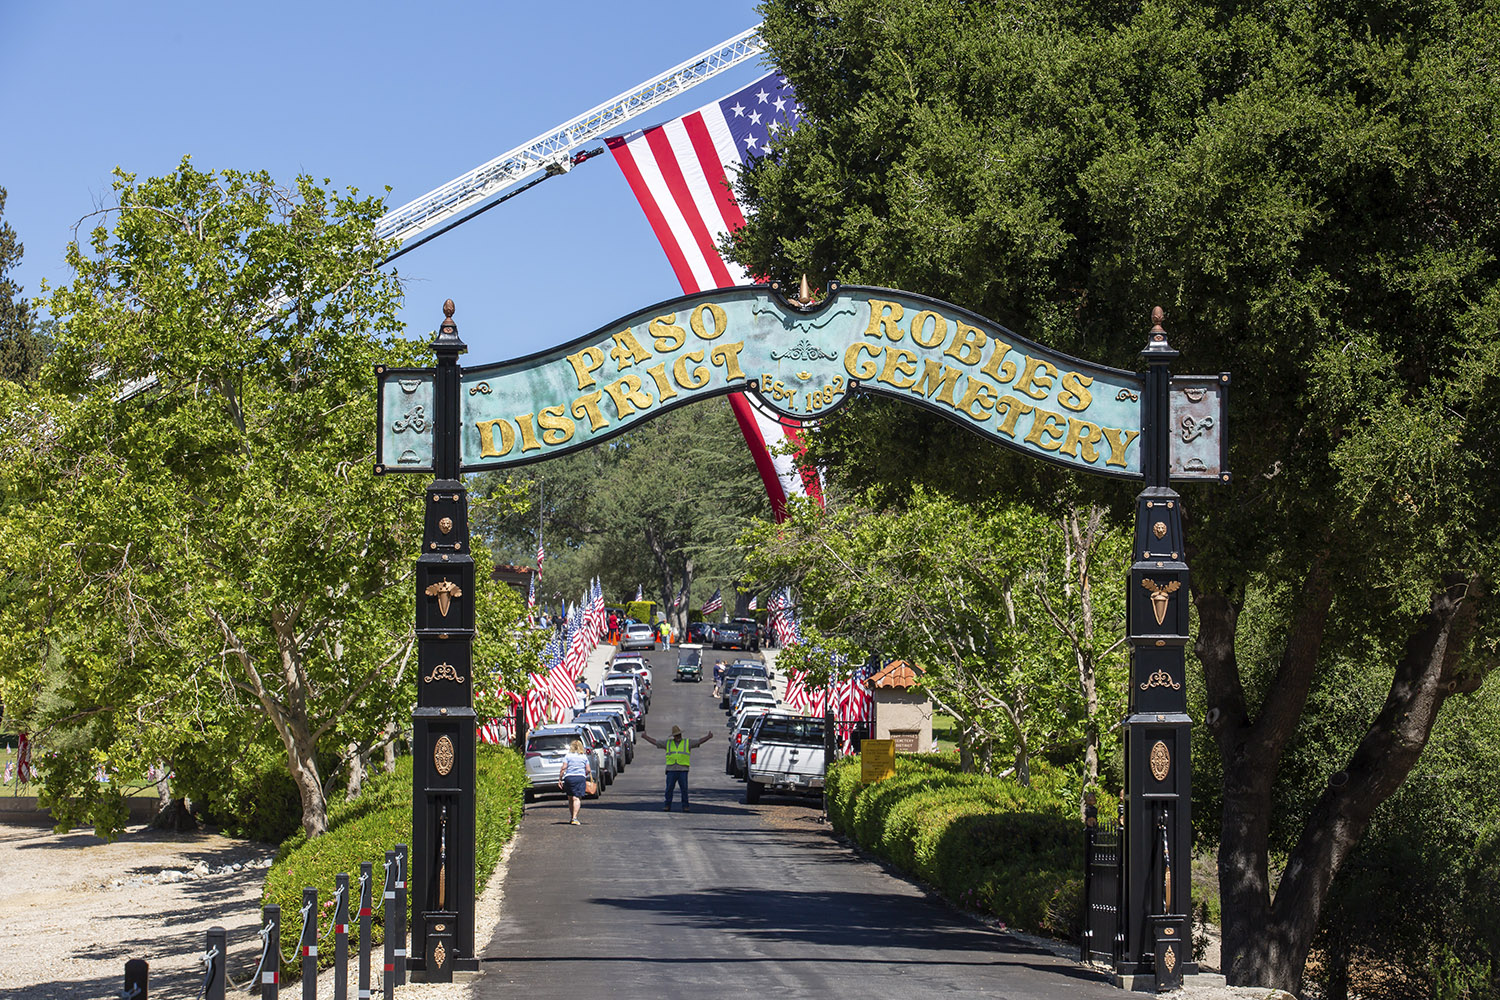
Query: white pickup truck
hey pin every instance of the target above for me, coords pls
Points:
(785, 755)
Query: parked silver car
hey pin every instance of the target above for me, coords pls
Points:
(546, 746)
(614, 729)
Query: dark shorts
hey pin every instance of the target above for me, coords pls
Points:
(573, 785)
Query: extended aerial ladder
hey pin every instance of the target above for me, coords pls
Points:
(553, 152)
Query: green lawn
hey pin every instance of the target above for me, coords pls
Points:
(942, 731)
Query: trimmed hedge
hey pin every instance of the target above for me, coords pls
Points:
(985, 843)
(363, 830)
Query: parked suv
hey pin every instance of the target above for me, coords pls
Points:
(546, 747)
(638, 635)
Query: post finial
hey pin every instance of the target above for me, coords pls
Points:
(1157, 315)
(447, 335)
(448, 308)
(804, 294)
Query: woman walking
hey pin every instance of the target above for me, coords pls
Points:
(574, 777)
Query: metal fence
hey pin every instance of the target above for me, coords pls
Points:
(269, 960)
(1103, 937)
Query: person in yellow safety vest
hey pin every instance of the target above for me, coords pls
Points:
(678, 758)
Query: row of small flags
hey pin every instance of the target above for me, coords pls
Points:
(551, 689)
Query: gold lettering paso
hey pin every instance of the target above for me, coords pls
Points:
(1160, 596)
(443, 672)
(445, 591)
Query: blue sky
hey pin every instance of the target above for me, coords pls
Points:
(368, 95)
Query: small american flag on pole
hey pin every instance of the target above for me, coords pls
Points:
(541, 553)
(754, 602)
(714, 604)
(531, 594)
(640, 594)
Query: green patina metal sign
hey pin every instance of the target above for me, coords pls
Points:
(801, 361)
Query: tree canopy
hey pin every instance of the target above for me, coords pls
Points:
(1312, 192)
(212, 562)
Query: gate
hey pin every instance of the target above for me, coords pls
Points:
(1103, 938)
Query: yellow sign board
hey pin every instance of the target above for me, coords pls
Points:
(877, 760)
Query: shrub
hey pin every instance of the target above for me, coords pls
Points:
(363, 830)
(985, 843)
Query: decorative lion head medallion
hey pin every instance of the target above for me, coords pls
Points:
(446, 525)
(1159, 529)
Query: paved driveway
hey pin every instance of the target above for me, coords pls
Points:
(731, 900)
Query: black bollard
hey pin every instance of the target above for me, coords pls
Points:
(388, 981)
(307, 947)
(366, 874)
(341, 938)
(270, 966)
(136, 973)
(213, 978)
(400, 914)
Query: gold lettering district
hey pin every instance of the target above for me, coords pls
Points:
(1029, 378)
(619, 398)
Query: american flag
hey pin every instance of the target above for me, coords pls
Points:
(682, 174)
(714, 604)
(25, 771)
(541, 553)
(531, 593)
(640, 595)
(754, 602)
(681, 598)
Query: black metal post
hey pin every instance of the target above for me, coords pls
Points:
(214, 956)
(137, 972)
(307, 945)
(401, 868)
(388, 904)
(443, 723)
(1158, 785)
(270, 970)
(341, 937)
(366, 876)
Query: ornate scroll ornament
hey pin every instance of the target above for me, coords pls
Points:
(443, 672)
(1193, 429)
(445, 525)
(439, 955)
(442, 755)
(415, 420)
(1161, 761)
(1160, 597)
(1169, 959)
(1159, 529)
(1160, 679)
(483, 387)
(1125, 394)
(445, 591)
(804, 351)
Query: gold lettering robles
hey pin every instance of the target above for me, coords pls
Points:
(1160, 679)
(443, 672)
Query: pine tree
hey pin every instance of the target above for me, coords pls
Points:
(21, 350)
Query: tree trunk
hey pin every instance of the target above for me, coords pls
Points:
(358, 767)
(1266, 942)
(390, 748)
(175, 816)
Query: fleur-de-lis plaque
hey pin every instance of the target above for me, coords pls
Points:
(1160, 596)
(445, 591)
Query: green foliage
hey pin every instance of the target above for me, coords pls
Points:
(1312, 191)
(994, 603)
(22, 348)
(985, 843)
(363, 830)
(204, 558)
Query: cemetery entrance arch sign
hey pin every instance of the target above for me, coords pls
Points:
(803, 360)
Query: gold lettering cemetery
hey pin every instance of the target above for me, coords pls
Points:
(948, 363)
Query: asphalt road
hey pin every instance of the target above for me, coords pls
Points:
(731, 900)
